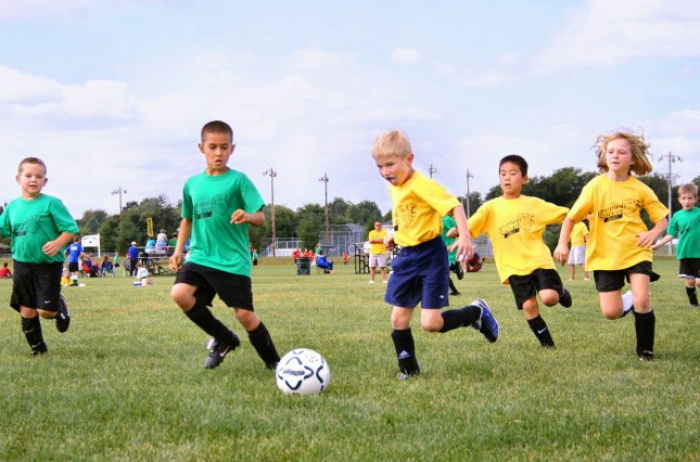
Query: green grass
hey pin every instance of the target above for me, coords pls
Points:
(126, 382)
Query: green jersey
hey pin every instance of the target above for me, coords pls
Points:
(449, 222)
(33, 223)
(685, 225)
(208, 202)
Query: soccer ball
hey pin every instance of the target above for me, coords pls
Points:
(303, 372)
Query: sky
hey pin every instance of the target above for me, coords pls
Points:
(113, 94)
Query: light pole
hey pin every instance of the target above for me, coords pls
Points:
(469, 212)
(324, 178)
(272, 174)
(432, 170)
(669, 178)
(119, 192)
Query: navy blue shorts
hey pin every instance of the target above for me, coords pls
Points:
(233, 289)
(420, 275)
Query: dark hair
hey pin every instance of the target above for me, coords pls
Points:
(517, 160)
(217, 126)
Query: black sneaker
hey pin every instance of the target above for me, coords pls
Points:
(219, 350)
(459, 271)
(39, 349)
(272, 366)
(646, 355)
(402, 375)
(63, 316)
(565, 298)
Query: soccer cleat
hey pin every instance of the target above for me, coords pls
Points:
(565, 298)
(486, 324)
(459, 271)
(219, 350)
(402, 375)
(646, 355)
(272, 366)
(39, 349)
(370, 282)
(63, 316)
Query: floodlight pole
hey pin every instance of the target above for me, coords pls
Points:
(468, 201)
(272, 174)
(432, 170)
(669, 178)
(119, 191)
(324, 179)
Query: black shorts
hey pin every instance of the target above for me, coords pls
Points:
(610, 281)
(233, 289)
(36, 285)
(73, 267)
(689, 268)
(525, 287)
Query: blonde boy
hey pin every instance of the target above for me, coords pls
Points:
(421, 267)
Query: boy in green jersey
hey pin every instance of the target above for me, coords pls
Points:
(40, 227)
(218, 206)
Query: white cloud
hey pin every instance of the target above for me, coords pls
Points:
(484, 79)
(405, 56)
(605, 34)
(312, 58)
(685, 121)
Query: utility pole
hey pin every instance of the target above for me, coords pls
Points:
(324, 178)
(119, 192)
(469, 201)
(272, 174)
(432, 170)
(669, 178)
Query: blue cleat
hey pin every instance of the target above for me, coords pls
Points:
(486, 324)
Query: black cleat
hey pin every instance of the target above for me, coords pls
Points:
(565, 298)
(63, 316)
(39, 349)
(646, 355)
(219, 350)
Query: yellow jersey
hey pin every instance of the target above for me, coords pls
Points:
(616, 222)
(419, 205)
(578, 234)
(377, 249)
(515, 227)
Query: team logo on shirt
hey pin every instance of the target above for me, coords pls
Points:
(30, 226)
(217, 205)
(523, 222)
(405, 215)
(629, 208)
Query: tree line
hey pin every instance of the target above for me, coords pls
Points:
(307, 223)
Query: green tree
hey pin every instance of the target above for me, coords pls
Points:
(364, 213)
(91, 221)
(309, 230)
(337, 210)
(109, 232)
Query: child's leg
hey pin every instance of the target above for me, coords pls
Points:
(690, 290)
(572, 272)
(31, 327)
(644, 318)
(259, 337)
(585, 272)
(536, 323)
(195, 307)
(611, 304)
(403, 340)
(435, 320)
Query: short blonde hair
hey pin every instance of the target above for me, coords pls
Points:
(688, 188)
(639, 147)
(30, 161)
(393, 143)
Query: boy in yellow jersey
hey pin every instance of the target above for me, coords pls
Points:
(421, 268)
(578, 250)
(619, 243)
(515, 224)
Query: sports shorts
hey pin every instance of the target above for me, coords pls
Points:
(612, 280)
(233, 289)
(689, 268)
(527, 286)
(378, 260)
(36, 285)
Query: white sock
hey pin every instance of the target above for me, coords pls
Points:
(627, 301)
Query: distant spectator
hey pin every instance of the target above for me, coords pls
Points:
(5, 271)
(133, 253)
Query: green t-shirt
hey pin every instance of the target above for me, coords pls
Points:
(33, 223)
(449, 222)
(685, 225)
(209, 201)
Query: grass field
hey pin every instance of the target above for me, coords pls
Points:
(126, 382)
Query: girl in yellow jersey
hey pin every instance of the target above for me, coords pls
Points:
(619, 243)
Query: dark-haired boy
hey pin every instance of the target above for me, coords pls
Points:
(218, 206)
(515, 224)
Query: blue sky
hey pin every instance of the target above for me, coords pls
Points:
(114, 93)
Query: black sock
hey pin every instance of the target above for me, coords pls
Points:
(645, 324)
(405, 351)
(541, 331)
(692, 295)
(32, 331)
(460, 318)
(262, 342)
(203, 317)
(453, 288)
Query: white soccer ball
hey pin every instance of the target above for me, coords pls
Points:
(303, 372)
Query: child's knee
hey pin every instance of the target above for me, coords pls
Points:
(549, 297)
(182, 296)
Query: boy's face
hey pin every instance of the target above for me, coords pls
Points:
(394, 169)
(32, 179)
(687, 200)
(217, 148)
(511, 180)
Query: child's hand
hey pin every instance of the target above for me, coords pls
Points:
(389, 242)
(646, 239)
(453, 232)
(561, 253)
(51, 248)
(175, 261)
(465, 248)
(239, 217)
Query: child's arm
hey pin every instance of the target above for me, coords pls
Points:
(463, 244)
(665, 240)
(51, 248)
(561, 253)
(175, 260)
(240, 217)
(647, 238)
